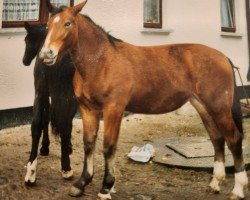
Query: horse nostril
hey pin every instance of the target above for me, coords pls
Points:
(41, 55)
(50, 53)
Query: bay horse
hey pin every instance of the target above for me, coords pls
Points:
(113, 76)
(55, 84)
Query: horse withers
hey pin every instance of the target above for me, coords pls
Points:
(113, 76)
(53, 84)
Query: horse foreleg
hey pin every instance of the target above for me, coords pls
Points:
(36, 131)
(112, 121)
(90, 120)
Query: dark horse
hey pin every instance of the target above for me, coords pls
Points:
(55, 84)
(113, 76)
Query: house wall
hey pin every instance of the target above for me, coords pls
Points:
(192, 21)
(16, 80)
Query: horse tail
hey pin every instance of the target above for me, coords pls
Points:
(54, 129)
(54, 122)
(236, 108)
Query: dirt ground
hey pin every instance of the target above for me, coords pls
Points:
(135, 181)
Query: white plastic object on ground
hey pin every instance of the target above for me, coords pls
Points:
(142, 154)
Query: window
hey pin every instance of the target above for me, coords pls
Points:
(152, 14)
(227, 16)
(15, 12)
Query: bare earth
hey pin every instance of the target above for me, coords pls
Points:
(135, 181)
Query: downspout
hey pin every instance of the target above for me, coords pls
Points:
(248, 34)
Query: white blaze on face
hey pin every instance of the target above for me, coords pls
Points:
(57, 19)
(47, 46)
(31, 172)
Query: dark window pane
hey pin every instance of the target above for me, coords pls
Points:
(227, 15)
(152, 16)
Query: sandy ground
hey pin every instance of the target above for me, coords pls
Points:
(135, 181)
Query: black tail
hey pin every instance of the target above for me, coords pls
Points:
(236, 108)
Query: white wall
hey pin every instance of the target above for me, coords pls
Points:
(16, 80)
(192, 21)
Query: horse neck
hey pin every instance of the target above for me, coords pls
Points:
(91, 44)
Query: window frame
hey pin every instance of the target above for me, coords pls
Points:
(230, 29)
(155, 25)
(43, 17)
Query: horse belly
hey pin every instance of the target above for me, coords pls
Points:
(157, 104)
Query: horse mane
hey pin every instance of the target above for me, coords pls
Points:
(38, 31)
(112, 40)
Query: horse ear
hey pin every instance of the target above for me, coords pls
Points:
(27, 26)
(51, 7)
(76, 9)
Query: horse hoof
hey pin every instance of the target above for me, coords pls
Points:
(234, 197)
(214, 190)
(30, 184)
(44, 151)
(104, 196)
(67, 174)
(75, 192)
(113, 190)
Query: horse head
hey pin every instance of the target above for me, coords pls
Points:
(62, 32)
(33, 41)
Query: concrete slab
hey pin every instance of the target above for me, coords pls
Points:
(191, 152)
(193, 147)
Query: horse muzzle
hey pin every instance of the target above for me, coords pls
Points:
(48, 57)
(26, 61)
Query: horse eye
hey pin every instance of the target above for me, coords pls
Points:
(67, 24)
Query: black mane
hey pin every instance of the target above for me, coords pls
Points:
(38, 31)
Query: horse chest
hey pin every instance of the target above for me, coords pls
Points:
(85, 96)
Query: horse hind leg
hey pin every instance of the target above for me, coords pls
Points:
(66, 150)
(61, 121)
(234, 137)
(44, 150)
(227, 117)
(218, 142)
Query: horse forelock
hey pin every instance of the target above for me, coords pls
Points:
(58, 10)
